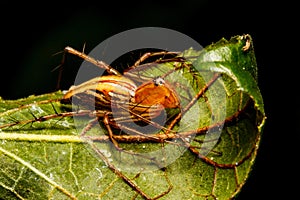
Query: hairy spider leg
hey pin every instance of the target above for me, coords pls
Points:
(110, 133)
(149, 55)
(98, 63)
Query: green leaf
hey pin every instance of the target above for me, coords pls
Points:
(208, 154)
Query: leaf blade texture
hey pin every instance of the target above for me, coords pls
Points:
(42, 155)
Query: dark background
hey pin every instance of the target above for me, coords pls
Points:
(32, 34)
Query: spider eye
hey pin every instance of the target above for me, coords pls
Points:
(159, 81)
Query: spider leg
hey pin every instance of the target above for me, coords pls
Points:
(107, 125)
(89, 126)
(110, 132)
(149, 55)
(98, 63)
(193, 101)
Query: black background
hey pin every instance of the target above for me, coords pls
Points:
(32, 34)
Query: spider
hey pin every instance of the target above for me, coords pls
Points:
(118, 100)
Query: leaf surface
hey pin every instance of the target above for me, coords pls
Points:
(209, 153)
